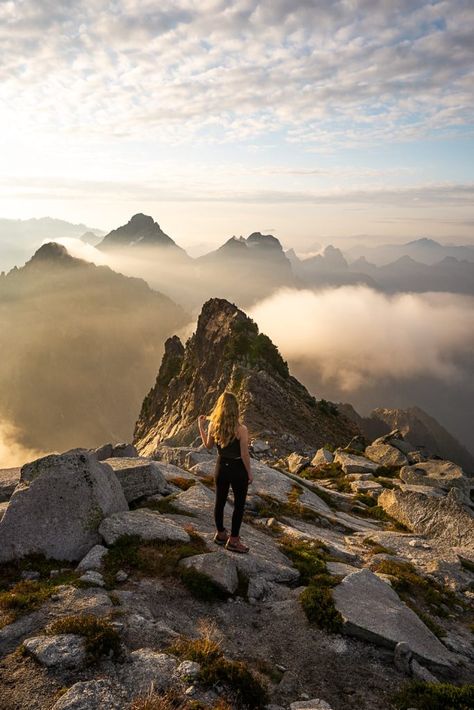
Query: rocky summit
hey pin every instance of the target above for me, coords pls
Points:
(359, 580)
(228, 351)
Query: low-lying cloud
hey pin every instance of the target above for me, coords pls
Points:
(12, 453)
(355, 336)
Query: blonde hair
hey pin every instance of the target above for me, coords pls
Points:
(225, 418)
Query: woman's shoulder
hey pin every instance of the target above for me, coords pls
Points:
(241, 429)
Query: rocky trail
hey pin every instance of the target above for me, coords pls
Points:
(113, 594)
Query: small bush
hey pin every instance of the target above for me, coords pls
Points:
(318, 604)
(241, 685)
(101, 639)
(307, 557)
(151, 558)
(435, 696)
(408, 583)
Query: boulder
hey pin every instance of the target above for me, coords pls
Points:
(260, 447)
(147, 524)
(218, 566)
(9, 479)
(322, 457)
(100, 694)
(188, 669)
(385, 455)
(373, 611)
(93, 560)
(139, 477)
(366, 487)
(444, 518)
(58, 505)
(93, 578)
(350, 463)
(147, 669)
(440, 474)
(124, 451)
(63, 650)
(103, 452)
(297, 463)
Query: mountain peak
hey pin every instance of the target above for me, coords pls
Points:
(140, 231)
(267, 241)
(423, 242)
(54, 253)
(227, 351)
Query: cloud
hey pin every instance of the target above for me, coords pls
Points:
(80, 250)
(13, 453)
(324, 74)
(354, 336)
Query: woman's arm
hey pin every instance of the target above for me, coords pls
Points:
(207, 438)
(244, 450)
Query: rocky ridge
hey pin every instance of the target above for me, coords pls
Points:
(333, 601)
(227, 351)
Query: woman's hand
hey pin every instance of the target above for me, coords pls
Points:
(250, 479)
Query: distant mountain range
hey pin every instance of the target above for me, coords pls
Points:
(427, 251)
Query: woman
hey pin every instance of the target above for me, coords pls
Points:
(232, 468)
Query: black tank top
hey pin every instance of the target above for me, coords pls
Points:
(231, 451)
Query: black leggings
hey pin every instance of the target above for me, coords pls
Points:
(230, 472)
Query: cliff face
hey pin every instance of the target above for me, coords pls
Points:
(227, 351)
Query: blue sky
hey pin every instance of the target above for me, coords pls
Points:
(323, 121)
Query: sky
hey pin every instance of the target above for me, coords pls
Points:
(345, 121)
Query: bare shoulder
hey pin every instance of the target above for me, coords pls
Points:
(242, 430)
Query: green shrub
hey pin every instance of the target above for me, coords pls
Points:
(434, 696)
(318, 604)
(148, 558)
(101, 639)
(307, 557)
(242, 686)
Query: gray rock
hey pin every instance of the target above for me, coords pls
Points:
(121, 576)
(350, 463)
(218, 566)
(260, 447)
(93, 560)
(58, 506)
(124, 451)
(104, 452)
(322, 457)
(147, 524)
(63, 650)
(421, 673)
(13, 634)
(296, 462)
(385, 455)
(30, 574)
(188, 669)
(373, 611)
(100, 694)
(139, 477)
(9, 479)
(402, 657)
(441, 474)
(93, 578)
(315, 704)
(366, 487)
(340, 569)
(443, 518)
(147, 669)
(3, 508)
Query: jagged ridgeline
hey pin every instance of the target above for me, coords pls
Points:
(228, 351)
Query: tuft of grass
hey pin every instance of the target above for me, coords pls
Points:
(268, 669)
(241, 685)
(308, 557)
(101, 639)
(269, 507)
(318, 604)
(165, 505)
(378, 513)
(182, 482)
(376, 548)
(22, 596)
(412, 586)
(327, 470)
(149, 558)
(434, 696)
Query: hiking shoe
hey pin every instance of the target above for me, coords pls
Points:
(236, 546)
(221, 538)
